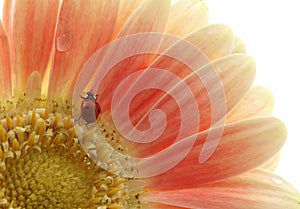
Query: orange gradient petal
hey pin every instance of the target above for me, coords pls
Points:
(256, 190)
(258, 102)
(187, 16)
(243, 146)
(30, 42)
(83, 27)
(126, 8)
(159, 206)
(214, 41)
(5, 75)
(272, 163)
(215, 89)
(149, 16)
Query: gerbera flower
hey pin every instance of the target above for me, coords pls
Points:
(178, 124)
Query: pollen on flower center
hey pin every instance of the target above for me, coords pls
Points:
(43, 165)
(47, 179)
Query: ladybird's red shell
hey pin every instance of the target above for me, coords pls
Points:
(90, 110)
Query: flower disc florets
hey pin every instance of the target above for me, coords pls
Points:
(43, 165)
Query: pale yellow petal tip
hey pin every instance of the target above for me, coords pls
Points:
(244, 63)
(263, 89)
(198, 4)
(272, 163)
(265, 94)
(281, 128)
(224, 40)
(189, 14)
(262, 98)
(258, 102)
(205, 8)
(238, 46)
(34, 85)
(215, 40)
(250, 64)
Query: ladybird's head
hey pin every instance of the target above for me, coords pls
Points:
(90, 95)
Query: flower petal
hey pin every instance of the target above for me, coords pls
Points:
(83, 27)
(134, 48)
(214, 41)
(149, 16)
(5, 75)
(214, 88)
(239, 46)
(187, 16)
(150, 205)
(272, 163)
(34, 86)
(242, 146)
(258, 102)
(126, 8)
(256, 190)
(30, 43)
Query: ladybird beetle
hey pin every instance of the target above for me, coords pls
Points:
(90, 109)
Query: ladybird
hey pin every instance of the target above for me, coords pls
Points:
(90, 108)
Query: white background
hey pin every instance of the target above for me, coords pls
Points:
(270, 30)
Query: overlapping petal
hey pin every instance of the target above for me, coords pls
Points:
(258, 102)
(216, 88)
(33, 86)
(126, 8)
(80, 32)
(187, 16)
(30, 44)
(239, 46)
(256, 190)
(243, 146)
(149, 16)
(272, 163)
(214, 41)
(150, 205)
(123, 56)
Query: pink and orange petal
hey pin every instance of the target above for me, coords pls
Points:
(214, 40)
(258, 102)
(30, 44)
(5, 74)
(256, 190)
(189, 14)
(229, 76)
(80, 32)
(243, 146)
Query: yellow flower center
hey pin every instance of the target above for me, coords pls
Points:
(44, 165)
(48, 179)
